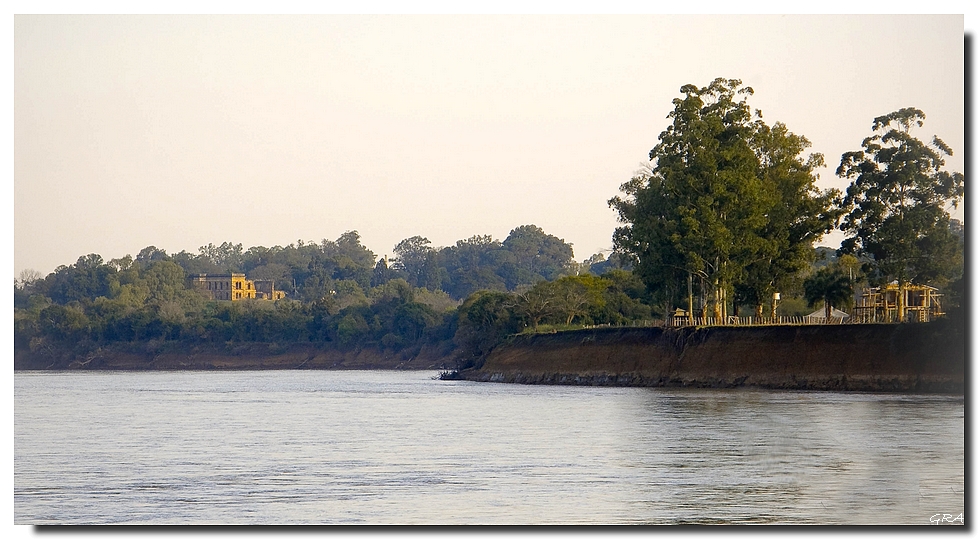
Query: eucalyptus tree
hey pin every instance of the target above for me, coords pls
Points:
(227, 256)
(797, 215)
(725, 200)
(416, 260)
(381, 274)
(353, 259)
(897, 204)
(646, 241)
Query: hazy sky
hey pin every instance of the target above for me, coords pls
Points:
(178, 131)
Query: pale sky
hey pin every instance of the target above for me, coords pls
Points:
(178, 131)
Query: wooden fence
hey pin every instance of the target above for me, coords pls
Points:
(752, 321)
(760, 321)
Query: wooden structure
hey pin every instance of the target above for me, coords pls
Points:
(922, 303)
(680, 317)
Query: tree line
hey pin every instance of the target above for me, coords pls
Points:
(309, 271)
(339, 294)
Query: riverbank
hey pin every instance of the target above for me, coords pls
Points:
(871, 357)
(242, 356)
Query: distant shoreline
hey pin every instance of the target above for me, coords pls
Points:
(243, 356)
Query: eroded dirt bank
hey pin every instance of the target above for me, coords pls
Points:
(905, 358)
(250, 356)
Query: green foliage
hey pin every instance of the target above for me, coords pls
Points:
(410, 320)
(793, 306)
(351, 328)
(63, 322)
(623, 297)
(474, 264)
(897, 203)
(598, 265)
(382, 273)
(164, 280)
(799, 213)
(579, 297)
(87, 279)
(484, 319)
(331, 301)
(416, 262)
(727, 201)
(229, 257)
(534, 304)
(395, 290)
(150, 254)
(831, 286)
(346, 293)
(438, 300)
(527, 256)
(536, 256)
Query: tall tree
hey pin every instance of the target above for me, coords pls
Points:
(726, 200)
(473, 264)
(227, 256)
(536, 256)
(799, 213)
(150, 254)
(382, 274)
(343, 259)
(897, 203)
(415, 259)
(348, 246)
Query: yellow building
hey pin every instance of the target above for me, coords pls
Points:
(234, 287)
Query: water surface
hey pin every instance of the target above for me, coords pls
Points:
(390, 447)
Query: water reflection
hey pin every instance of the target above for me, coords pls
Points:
(754, 456)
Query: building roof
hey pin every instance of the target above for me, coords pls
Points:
(836, 313)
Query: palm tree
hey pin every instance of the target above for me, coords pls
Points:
(830, 285)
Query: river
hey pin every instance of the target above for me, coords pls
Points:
(395, 447)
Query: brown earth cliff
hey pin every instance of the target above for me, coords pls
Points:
(870, 357)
